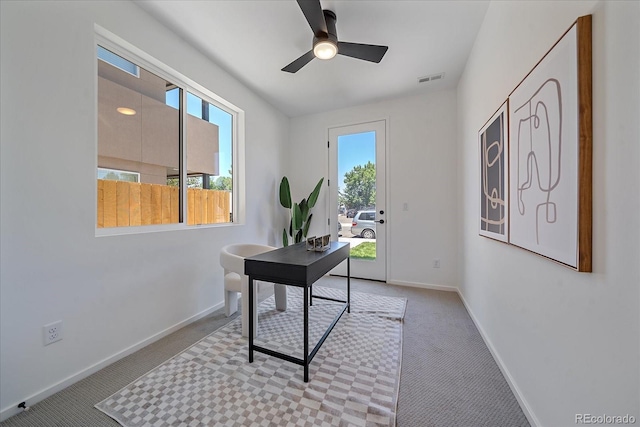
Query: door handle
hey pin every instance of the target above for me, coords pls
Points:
(381, 221)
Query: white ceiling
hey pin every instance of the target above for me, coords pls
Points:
(254, 40)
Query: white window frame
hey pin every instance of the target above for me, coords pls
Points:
(117, 45)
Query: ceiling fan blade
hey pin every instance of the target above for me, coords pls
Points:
(368, 52)
(312, 10)
(300, 62)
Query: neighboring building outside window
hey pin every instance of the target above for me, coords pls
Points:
(160, 163)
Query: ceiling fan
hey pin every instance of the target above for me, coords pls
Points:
(325, 39)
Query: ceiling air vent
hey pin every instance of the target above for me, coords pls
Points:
(431, 78)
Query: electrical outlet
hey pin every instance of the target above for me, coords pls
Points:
(436, 263)
(52, 332)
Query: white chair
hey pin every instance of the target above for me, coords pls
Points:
(232, 261)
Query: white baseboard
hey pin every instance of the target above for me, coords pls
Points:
(528, 412)
(423, 285)
(43, 394)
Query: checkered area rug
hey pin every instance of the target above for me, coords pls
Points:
(353, 379)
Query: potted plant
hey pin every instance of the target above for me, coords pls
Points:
(300, 213)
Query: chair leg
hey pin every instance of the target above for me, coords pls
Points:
(230, 302)
(280, 292)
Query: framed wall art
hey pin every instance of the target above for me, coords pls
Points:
(550, 153)
(494, 158)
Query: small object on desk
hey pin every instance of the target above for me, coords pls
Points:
(311, 243)
(319, 244)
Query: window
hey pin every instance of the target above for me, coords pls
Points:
(166, 146)
(118, 61)
(368, 216)
(209, 158)
(117, 175)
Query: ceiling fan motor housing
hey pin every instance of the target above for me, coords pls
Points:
(331, 34)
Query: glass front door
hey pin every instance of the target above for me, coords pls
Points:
(357, 199)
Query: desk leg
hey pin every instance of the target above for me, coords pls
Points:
(251, 303)
(306, 334)
(310, 294)
(349, 285)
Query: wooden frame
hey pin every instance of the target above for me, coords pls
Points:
(493, 147)
(550, 158)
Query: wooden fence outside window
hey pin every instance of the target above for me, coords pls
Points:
(124, 204)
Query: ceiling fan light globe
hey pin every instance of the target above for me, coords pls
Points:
(325, 49)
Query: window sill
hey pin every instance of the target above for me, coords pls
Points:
(123, 231)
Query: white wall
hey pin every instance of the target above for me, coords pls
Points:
(569, 342)
(421, 171)
(112, 293)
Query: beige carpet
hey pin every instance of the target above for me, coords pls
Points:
(354, 378)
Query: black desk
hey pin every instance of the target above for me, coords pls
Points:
(295, 266)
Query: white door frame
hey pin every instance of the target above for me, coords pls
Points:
(362, 269)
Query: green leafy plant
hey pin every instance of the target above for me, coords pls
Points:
(300, 212)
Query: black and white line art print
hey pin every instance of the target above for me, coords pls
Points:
(493, 147)
(543, 158)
